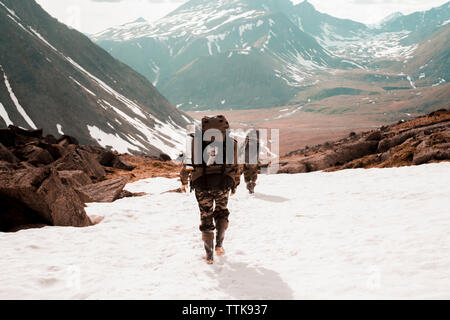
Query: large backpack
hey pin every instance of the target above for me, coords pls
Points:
(204, 167)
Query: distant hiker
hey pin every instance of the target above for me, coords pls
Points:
(251, 172)
(251, 168)
(213, 177)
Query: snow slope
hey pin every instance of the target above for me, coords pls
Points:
(379, 233)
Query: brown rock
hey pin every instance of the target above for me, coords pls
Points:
(55, 150)
(7, 138)
(293, 167)
(105, 191)
(164, 157)
(66, 140)
(394, 141)
(81, 160)
(374, 136)
(66, 208)
(118, 163)
(74, 178)
(26, 133)
(35, 155)
(106, 158)
(110, 159)
(50, 139)
(37, 196)
(6, 155)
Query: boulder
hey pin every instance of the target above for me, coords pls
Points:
(388, 143)
(426, 151)
(50, 139)
(293, 167)
(7, 138)
(110, 159)
(164, 157)
(107, 158)
(35, 155)
(26, 133)
(105, 191)
(374, 136)
(55, 150)
(36, 196)
(342, 155)
(81, 160)
(15, 136)
(123, 165)
(65, 140)
(74, 178)
(6, 155)
(66, 208)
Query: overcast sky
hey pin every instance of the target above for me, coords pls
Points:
(91, 16)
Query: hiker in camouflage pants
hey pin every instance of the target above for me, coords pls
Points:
(206, 200)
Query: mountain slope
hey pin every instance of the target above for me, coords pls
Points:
(238, 54)
(417, 20)
(324, 27)
(431, 63)
(55, 78)
(200, 37)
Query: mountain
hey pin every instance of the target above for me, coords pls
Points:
(430, 65)
(417, 20)
(214, 54)
(55, 78)
(237, 54)
(323, 27)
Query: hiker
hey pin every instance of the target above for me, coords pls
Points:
(251, 168)
(213, 183)
(251, 172)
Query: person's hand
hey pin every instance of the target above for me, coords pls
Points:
(183, 188)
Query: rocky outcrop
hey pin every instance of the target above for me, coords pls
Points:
(418, 141)
(81, 160)
(113, 160)
(105, 191)
(6, 155)
(38, 196)
(45, 181)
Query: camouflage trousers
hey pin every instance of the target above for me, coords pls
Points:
(251, 175)
(206, 200)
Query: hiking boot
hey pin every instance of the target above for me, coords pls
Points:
(208, 240)
(220, 251)
(221, 227)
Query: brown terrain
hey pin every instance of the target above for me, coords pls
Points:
(425, 139)
(309, 123)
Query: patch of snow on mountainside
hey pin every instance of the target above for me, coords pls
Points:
(4, 115)
(368, 46)
(14, 99)
(353, 234)
(201, 19)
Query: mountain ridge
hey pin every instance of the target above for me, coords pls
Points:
(85, 91)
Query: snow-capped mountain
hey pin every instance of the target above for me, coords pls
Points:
(214, 53)
(55, 78)
(246, 53)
